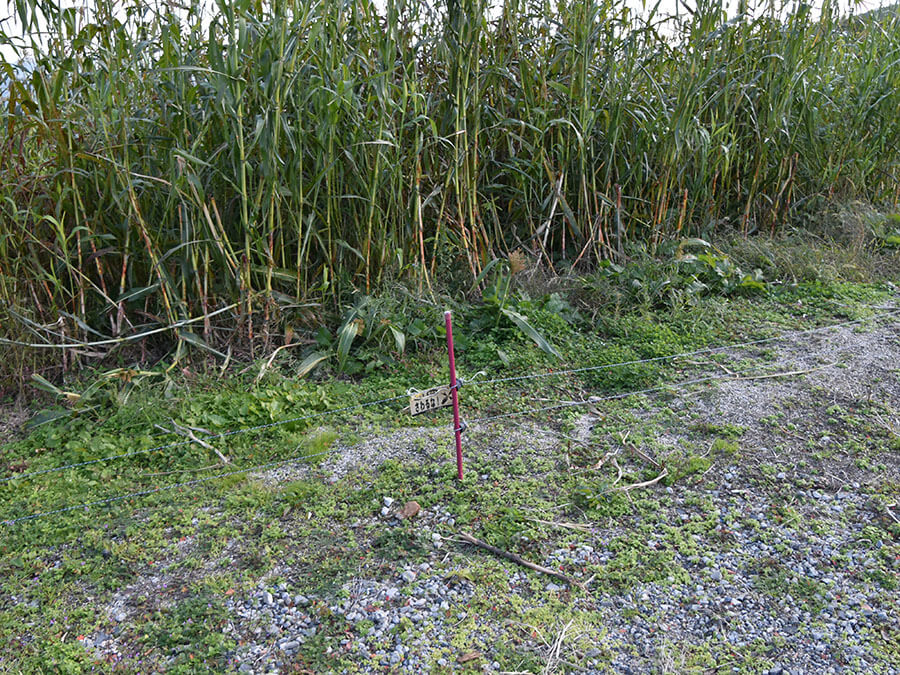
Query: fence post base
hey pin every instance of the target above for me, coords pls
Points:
(454, 393)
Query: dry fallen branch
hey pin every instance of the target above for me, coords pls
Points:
(644, 456)
(635, 486)
(553, 656)
(603, 460)
(268, 363)
(730, 372)
(569, 526)
(787, 374)
(790, 373)
(189, 433)
(891, 514)
(618, 469)
(469, 539)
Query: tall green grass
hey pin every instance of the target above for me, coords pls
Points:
(282, 154)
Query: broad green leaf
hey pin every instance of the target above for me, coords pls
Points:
(485, 271)
(346, 336)
(44, 384)
(197, 341)
(310, 362)
(47, 416)
(399, 338)
(530, 331)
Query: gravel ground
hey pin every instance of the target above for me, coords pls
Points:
(645, 629)
(778, 559)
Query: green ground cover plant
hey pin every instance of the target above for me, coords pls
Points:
(311, 185)
(61, 561)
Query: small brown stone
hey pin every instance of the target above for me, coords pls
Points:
(409, 510)
(468, 656)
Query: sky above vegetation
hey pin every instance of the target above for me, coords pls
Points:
(10, 25)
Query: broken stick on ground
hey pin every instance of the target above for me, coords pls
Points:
(469, 539)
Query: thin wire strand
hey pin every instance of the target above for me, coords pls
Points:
(696, 352)
(613, 397)
(178, 444)
(471, 381)
(165, 488)
(115, 341)
(198, 481)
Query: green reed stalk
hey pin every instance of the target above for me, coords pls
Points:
(304, 149)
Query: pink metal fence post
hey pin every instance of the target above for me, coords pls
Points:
(454, 392)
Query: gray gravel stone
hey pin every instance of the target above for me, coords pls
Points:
(710, 591)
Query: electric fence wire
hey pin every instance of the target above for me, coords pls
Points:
(591, 400)
(639, 392)
(178, 444)
(570, 404)
(166, 488)
(734, 374)
(470, 382)
(696, 352)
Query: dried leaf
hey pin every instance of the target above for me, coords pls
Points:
(469, 656)
(409, 510)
